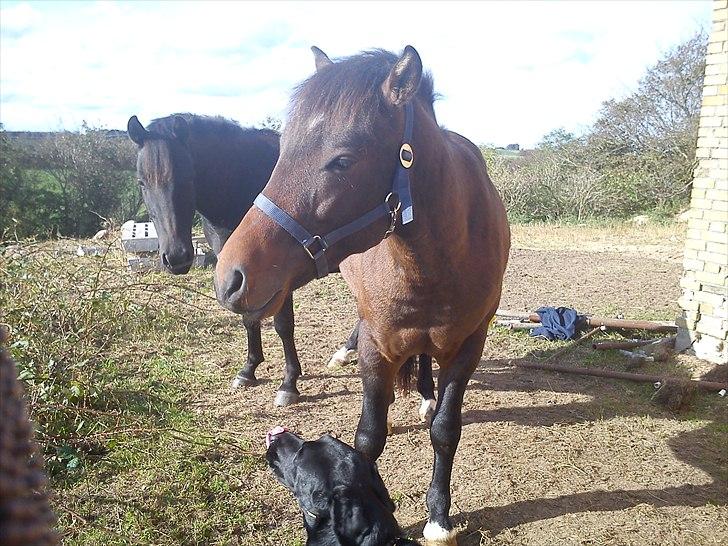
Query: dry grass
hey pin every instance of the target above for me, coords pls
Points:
(656, 239)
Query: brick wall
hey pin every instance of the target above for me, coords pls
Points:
(704, 301)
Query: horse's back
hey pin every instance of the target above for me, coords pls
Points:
(482, 195)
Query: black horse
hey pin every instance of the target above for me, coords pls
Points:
(210, 164)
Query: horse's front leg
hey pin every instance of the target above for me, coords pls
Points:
(377, 376)
(283, 322)
(445, 436)
(246, 376)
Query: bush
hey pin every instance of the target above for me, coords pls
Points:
(66, 183)
(68, 316)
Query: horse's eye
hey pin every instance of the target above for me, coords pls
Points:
(341, 163)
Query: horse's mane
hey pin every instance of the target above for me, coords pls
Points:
(352, 85)
(202, 126)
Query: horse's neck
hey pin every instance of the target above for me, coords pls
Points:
(438, 204)
(221, 200)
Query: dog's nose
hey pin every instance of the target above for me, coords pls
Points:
(272, 433)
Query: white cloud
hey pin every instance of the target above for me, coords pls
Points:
(508, 72)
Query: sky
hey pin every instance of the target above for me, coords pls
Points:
(506, 72)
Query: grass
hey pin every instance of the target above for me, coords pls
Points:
(112, 383)
(599, 236)
(135, 454)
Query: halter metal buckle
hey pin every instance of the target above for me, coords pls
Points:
(394, 204)
(309, 243)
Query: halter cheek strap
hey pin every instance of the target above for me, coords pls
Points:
(399, 199)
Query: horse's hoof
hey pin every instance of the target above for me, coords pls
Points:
(427, 412)
(242, 381)
(342, 357)
(435, 535)
(286, 398)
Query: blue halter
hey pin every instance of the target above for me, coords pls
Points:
(398, 201)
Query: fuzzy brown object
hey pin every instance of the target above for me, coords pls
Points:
(25, 515)
(675, 395)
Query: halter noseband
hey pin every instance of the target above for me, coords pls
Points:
(399, 200)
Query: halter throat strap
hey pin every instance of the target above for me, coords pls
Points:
(399, 200)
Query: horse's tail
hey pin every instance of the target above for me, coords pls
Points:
(406, 373)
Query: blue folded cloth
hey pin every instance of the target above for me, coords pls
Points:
(557, 323)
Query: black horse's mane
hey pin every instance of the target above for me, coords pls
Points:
(204, 126)
(353, 83)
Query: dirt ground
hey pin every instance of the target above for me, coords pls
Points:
(544, 458)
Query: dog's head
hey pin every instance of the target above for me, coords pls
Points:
(341, 494)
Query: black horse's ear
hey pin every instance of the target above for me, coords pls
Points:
(320, 58)
(181, 129)
(379, 488)
(404, 78)
(136, 131)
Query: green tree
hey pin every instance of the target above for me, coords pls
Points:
(649, 136)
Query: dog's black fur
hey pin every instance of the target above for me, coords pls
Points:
(343, 498)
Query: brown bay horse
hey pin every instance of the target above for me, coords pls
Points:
(408, 213)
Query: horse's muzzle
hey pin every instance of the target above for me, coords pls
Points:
(178, 263)
(233, 294)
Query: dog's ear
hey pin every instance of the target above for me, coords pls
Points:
(311, 495)
(349, 518)
(379, 488)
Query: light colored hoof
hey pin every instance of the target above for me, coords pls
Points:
(285, 398)
(342, 357)
(427, 411)
(241, 381)
(435, 535)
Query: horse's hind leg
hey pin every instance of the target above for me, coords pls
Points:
(347, 353)
(283, 322)
(445, 436)
(426, 388)
(246, 376)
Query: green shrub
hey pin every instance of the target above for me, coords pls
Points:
(66, 183)
(68, 316)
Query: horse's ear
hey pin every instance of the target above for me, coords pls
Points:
(404, 78)
(181, 129)
(136, 131)
(320, 58)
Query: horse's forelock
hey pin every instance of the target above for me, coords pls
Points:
(156, 160)
(348, 90)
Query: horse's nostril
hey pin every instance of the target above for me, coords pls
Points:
(235, 283)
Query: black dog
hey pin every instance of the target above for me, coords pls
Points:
(341, 494)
